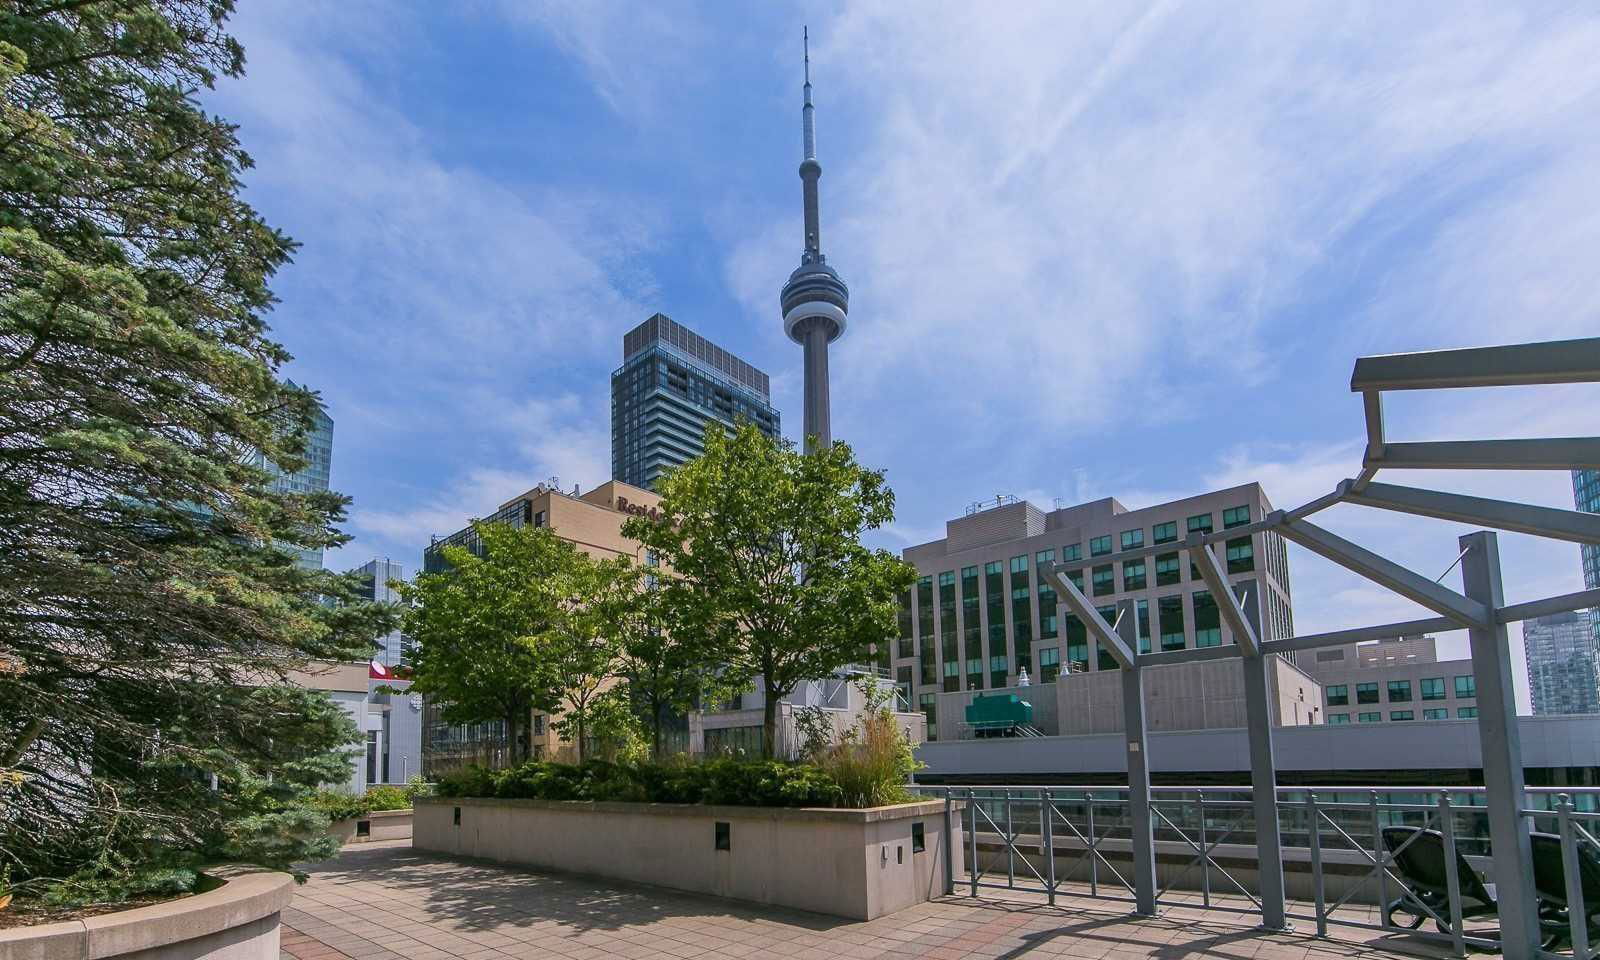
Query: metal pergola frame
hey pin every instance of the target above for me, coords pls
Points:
(1479, 607)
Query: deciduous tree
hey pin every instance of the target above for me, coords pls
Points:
(767, 565)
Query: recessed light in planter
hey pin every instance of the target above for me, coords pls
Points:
(724, 835)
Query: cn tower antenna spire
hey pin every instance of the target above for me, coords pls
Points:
(815, 301)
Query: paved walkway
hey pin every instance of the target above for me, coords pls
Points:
(385, 902)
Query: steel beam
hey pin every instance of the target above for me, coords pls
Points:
(1504, 789)
(1583, 599)
(1573, 525)
(1217, 582)
(1549, 453)
(1372, 406)
(1086, 612)
(1383, 631)
(1518, 364)
(1264, 789)
(1387, 573)
(1141, 819)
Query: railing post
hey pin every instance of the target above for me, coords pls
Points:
(1577, 910)
(1264, 792)
(1141, 821)
(1314, 838)
(949, 846)
(1205, 856)
(1452, 878)
(1047, 844)
(1094, 845)
(1380, 853)
(1501, 745)
(1011, 846)
(972, 840)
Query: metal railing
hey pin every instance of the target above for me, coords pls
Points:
(1376, 858)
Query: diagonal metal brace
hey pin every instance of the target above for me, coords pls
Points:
(1086, 612)
(1387, 573)
(1558, 524)
(1217, 582)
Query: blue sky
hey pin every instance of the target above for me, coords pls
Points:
(1092, 250)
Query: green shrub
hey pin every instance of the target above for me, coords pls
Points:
(340, 804)
(763, 783)
(871, 762)
(388, 798)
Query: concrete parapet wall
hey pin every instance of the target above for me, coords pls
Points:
(850, 863)
(381, 825)
(237, 921)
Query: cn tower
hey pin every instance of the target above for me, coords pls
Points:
(815, 301)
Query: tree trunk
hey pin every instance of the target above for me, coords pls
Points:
(577, 746)
(655, 733)
(769, 724)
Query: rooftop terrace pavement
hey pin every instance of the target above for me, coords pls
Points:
(383, 901)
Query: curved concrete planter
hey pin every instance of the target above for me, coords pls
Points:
(236, 921)
(850, 863)
(379, 825)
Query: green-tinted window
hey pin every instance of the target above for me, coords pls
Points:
(930, 709)
(902, 677)
(1466, 687)
(1142, 624)
(1100, 546)
(1165, 532)
(1105, 580)
(1399, 691)
(1373, 717)
(905, 648)
(1047, 598)
(1021, 616)
(1103, 658)
(1235, 517)
(1133, 574)
(1436, 713)
(997, 670)
(1338, 718)
(1077, 643)
(1200, 523)
(925, 608)
(994, 597)
(1338, 695)
(1071, 552)
(971, 625)
(1207, 620)
(1366, 693)
(1132, 539)
(1076, 576)
(1433, 688)
(1401, 715)
(1049, 664)
(1168, 573)
(1241, 555)
(949, 644)
(975, 674)
(1467, 713)
(1169, 618)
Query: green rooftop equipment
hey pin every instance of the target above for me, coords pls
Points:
(999, 715)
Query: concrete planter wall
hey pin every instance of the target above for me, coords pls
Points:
(850, 863)
(237, 921)
(377, 825)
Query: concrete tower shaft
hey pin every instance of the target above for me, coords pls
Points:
(815, 302)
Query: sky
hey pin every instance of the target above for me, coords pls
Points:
(1093, 250)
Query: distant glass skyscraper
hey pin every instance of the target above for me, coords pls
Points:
(1586, 493)
(673, 382)
(311, 478)
(1562, 673)
(375, 577)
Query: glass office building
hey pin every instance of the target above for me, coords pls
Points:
(673, 382)
(311, 478)
(1563, 664)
